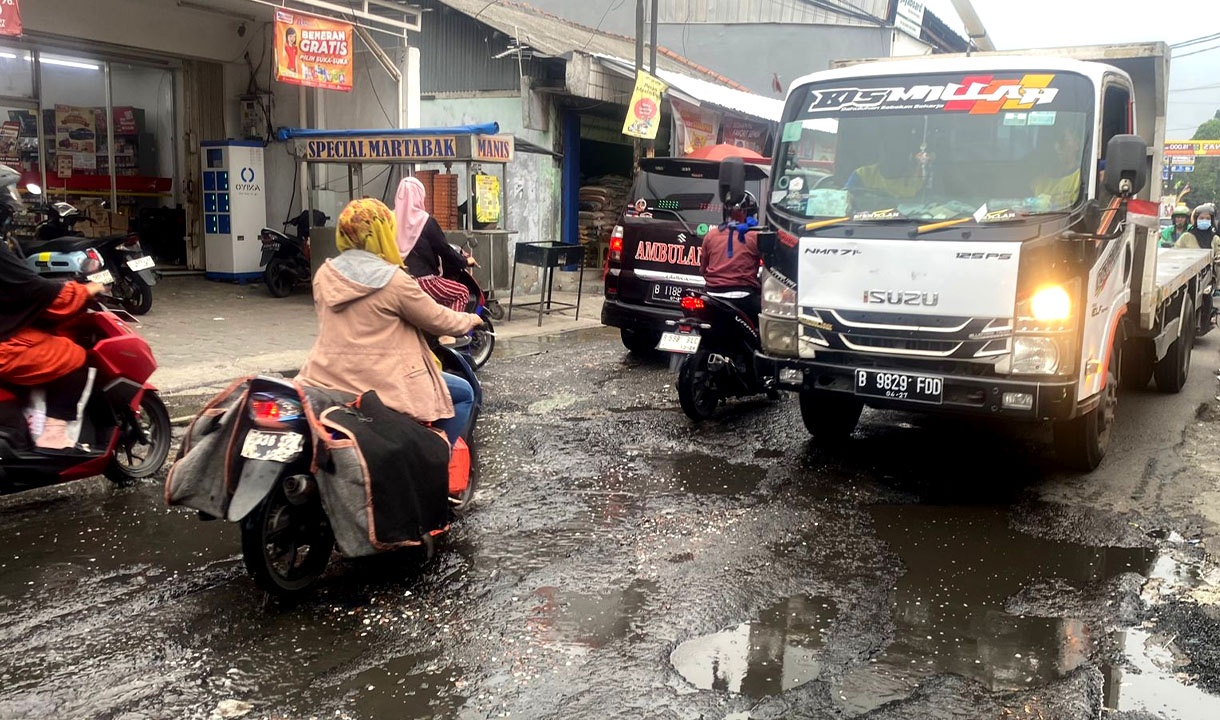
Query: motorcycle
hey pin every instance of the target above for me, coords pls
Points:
(124, 427)
(57, 250)
(483, 338)
(285, 259)
(718, 341)
(277, 496)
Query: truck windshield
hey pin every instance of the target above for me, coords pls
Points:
(693, 197)
(935, 147)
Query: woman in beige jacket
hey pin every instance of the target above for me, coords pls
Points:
(372, 317)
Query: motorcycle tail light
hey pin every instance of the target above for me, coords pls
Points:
(274, 410)
(690, 302)
(132, 239)
(93, 262)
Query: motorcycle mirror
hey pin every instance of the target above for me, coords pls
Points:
(33, 188)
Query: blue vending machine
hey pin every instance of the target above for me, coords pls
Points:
(234, 208)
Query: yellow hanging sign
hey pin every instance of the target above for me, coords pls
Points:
(486, 198)
(644, 112)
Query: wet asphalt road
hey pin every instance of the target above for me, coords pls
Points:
(623, 563)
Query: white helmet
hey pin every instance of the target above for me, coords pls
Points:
(10, 196)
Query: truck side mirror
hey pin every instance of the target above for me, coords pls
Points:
(1126, 170)
(732, 181)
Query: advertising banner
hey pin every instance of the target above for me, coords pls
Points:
(644, 112)
(695, 127)
(313, 51)
(486, 198)
(10, 17)
(1185, 151)
(76, 135)
(10, 153)
(742, 134)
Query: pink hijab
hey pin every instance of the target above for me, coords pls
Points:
(409, 209)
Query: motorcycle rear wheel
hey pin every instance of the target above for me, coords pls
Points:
(143, 447)
(286, 547)
(134, 293)
(279, 278)
(697, 392)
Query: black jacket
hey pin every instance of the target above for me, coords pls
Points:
(24, 294)
(433, 255)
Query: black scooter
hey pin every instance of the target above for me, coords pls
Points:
(285, 259)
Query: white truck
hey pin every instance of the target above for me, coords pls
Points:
(967, 235)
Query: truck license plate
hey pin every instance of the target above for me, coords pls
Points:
(668, 294)
(679, 342)
(141, 263)
(273, 446)
(900, 386)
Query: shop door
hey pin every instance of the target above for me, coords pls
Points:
(203, 92)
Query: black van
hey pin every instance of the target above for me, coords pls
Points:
(654, 252)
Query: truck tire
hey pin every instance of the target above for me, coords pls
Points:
(641, 343)
(1081, 442)
(830, 415)
(1171, 370)
(1137, 364)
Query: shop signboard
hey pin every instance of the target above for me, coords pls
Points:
(76, 135)
(1186, 150)
(909, 17)
(644, 112)
(10, 17)
(695, 126)
(492, 148)
(313, 51)
(742, 134)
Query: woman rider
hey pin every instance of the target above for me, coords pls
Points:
(371, 323)
(426, 251)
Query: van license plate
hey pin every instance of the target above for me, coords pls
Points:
(273, 446)
(141, 263)
(900, 386)
(668, 294)
(679, 343)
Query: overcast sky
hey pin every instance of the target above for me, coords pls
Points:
(1015, 24)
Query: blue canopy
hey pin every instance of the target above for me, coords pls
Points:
(288, 133)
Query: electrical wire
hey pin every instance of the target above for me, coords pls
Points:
(1196, 52)
(611, 5)
(369, 73)
(1195, 41)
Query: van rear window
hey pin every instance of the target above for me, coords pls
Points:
(694, 199)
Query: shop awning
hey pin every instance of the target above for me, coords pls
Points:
(288, 133)
(700, 92)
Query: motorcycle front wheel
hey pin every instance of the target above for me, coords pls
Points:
(134, 293)
(697, 391)
(144, 440)
(482, 342)
(286, 547)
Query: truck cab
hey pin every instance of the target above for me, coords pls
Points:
(949, 238)
(655, 248)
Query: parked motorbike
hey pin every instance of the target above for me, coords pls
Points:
(124, 428)
(58, 250)
(718, 340)
(285, 259)
(287, 535)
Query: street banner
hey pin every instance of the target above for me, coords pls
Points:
(742, 134)
(695, 127)
(1184, 151)
(10, 17)
(644, 112)
(312, 51)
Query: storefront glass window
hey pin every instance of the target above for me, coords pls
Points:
(73, 108)
(142, 99)
(16, 73)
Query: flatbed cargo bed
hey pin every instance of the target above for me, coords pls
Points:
(1175, 267)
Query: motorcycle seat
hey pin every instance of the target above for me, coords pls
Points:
(67, 243)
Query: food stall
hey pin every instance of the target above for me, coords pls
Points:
(480, 153)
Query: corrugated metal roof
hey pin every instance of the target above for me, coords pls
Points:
(554, 36)
(739, 101)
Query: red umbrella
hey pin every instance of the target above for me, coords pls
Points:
(716, 153)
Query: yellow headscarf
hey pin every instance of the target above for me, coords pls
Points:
(367, 224)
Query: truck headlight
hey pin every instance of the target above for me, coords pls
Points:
(778, 300)
(1033, 355)
(1049, 303)
(779, 336)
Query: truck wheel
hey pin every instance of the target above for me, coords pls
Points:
(830, 415)
(1172, 369)
(1081, 442)
(642, 343)
(1137, 364)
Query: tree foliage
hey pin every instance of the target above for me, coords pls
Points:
(1205, 180)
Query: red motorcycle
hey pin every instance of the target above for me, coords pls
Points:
(124, 428)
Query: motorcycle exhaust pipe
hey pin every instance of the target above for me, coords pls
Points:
(299, 488)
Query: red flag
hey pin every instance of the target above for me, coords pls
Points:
(10, 18)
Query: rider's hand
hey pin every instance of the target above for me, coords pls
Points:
(95, 289)
(478, 321)
(470, 261)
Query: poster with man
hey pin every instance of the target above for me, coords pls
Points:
(313, 51)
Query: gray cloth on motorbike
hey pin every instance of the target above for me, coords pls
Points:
(365, 268)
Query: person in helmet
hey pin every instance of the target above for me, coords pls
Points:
(31, 354)
(730, 259)
(1171, 233)
(1202, 232)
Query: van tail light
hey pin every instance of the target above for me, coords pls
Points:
(690, 302)
(616, 244)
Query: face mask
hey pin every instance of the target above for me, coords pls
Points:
(1204, 224)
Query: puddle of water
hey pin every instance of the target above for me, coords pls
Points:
(777, 652)
(1153, 687)
(580, 621)
(961, 565)
(704, 474)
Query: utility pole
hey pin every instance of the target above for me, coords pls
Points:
(652, 64)
(639, 65)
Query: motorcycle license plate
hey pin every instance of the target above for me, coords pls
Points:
(102, 278)
(927, 389)
(679, 342)
(273, 446)
(141, 263)
(668, 294)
